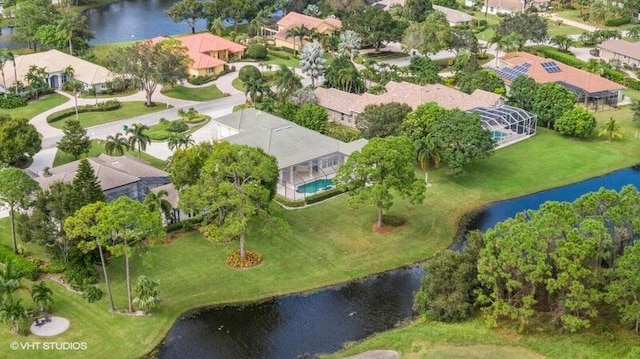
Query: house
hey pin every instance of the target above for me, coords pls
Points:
(620, 50)
(307, 159)
(210, 53)
(508, 6)
(118, 176)
(589, 88)
(54, 63)
(506, 123)
(293, 20)
(344, 107)
(455, 17)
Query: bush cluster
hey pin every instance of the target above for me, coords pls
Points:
(177, 126)
(110, 105)
(183, 225)
(341, 133)
(91, 293)
(28, 268)
(617, 21)
(257, 51)
(52, 267)
(202, 79)
(12, 101)
(279, 55)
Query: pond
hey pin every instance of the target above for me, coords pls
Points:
(299, 325)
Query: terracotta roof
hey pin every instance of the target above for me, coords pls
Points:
(294, 19)
(198, 45)
(584, 80)
(112, 172)
(56, 61)
(405, 92)
(621, 47)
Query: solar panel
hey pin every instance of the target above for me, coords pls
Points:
(550, 67)
(511, 73)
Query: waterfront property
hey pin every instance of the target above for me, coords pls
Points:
(509, 6)
(620, 50)
(209, 53)
(515, 124)
(293, 20)
(591, 89)
(304, 156)
(118, 176)
(54, 63)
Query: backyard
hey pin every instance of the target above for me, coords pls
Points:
(322, 254)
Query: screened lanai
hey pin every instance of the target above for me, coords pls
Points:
(507, 124)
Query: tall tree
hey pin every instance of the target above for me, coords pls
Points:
(72, 28)
(30, 15)
(187, 164)
(624, 290)
(417, 10)
(239, 10)
(563, 42)
(312, 116)
(298, 32)
(73, 85)
(42, 295)
(576, 122)
(375, 26)
(286, 82)
(75, 140)
(148, 64)
(522, 92)
(349, 45)
(527, 24)
(550, 102)
(246, 178)
(430, 36)
(382, 169)
(179, 140)
(15, 188)
(36, 79)
(424, 70)
(127, 223)
(186, 10)
(116, 145)
(312, 62)
(343, 74)
(86, 186)
(480, 79)
(157, 202)
(138, 138)
(382, 120)
(82, 225)
(18, 139)
(3, 61)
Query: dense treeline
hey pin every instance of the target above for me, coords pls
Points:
(563, 263)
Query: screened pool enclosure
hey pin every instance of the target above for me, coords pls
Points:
(507, 124)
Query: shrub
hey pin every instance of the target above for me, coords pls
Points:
(12, 101)
(248, 72)
(252, 259)
(91, 293)
(340, 132)
(286, 49)
(377, 89)
(53, 267)
(279, 55)
(632, 83)
(110, 105)
(617, 21)
(177, 126)
(202, 79)
(29, 269)
(185, 225)
(557, 55)
(80, 273)
(257, 51)
(576, 122)
(288, 202)
(324, 195)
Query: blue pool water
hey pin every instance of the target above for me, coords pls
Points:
(315, 186)
(497, 135)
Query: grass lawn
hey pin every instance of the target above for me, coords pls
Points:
(331, 243)
(206, 93)
(97, 148)
(34, 108)
(575, 16)
(292, 60)
(128, 110)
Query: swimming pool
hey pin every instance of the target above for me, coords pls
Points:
(497, 135)
(315, 186)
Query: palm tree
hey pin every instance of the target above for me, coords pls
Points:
(36, 78)
(255, 88)
(13, 314)
(634, 32)
(10, 277)
(3, 61)
(563, 42)
(217, 26)
(9, 56)
(297, 32)
(158, 202)
(138, 137)
(147, 295)
(347, 76)
(286, 81)
(611, 129)
(116, 145)
(42, 295)
(179, 140)
(312, 62)
(93, 92)
(73, 84)
(428, 152)
(594, 66)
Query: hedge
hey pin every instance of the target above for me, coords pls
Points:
(28, 268)
(289, 202)
(110, 105)
(12, 101)
(202, 79)
(186, 224)
(617, 21)
(279, 55)
(557, 55)
(324, 195)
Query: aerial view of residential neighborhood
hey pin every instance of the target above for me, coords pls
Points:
(300, 179)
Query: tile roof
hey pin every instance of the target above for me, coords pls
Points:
(56, 61)
(172, 193)
(405, 92)
(112, 172)
(294, 19)
(289, 143)
(198, 45)
(584, 80)
(622, 47)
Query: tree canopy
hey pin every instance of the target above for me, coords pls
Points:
(375, 26)
(381, 170)
(312, 116)
(186, 10)
(15, 188)
(481, 79)
(18, 139)
(522, 92)
(429, 36)
(75, 140)
(382, 120)
(550, 102)
(577, 122)
(417, 10)
(528, 25)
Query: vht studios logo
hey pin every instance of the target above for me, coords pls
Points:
(48, 345)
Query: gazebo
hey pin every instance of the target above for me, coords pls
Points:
(507, 124)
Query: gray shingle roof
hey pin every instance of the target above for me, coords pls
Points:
(289, 143)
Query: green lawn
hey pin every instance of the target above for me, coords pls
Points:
(575, 16)
(97, 148)
(34, 108)
(292, 60)
(206, 93)
(128, 110)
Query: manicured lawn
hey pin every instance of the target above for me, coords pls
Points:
(575, 16)
(332, 242)
(36, 107)
(128, 110)
(97, 148)
(207, 93)
(292, 60)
